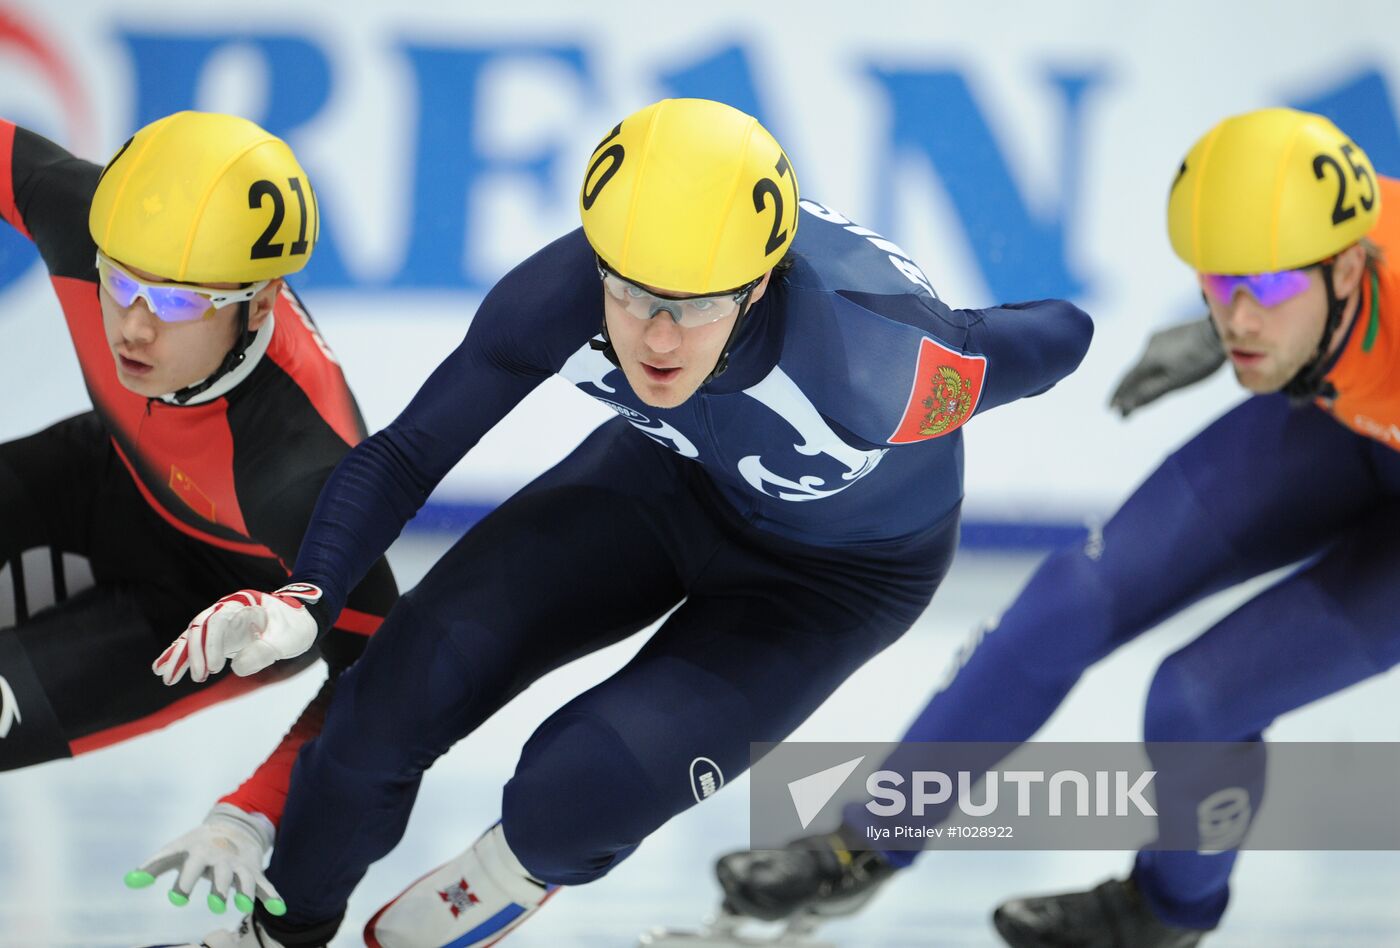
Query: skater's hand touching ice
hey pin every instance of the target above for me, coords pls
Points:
(252, 629)
(228, 850)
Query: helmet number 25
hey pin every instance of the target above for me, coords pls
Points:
(1341, 211)
(264, 246)
(766, 187)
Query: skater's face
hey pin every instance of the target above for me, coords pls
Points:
(663, 361)
(155, 357)
(1267, 345)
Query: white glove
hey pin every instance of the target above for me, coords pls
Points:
(252, 628)
(228, 848)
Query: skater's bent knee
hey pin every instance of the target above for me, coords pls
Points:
(1183, 705)
(580, 801)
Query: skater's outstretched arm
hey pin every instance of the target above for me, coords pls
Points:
(229, 848)
(525, 330)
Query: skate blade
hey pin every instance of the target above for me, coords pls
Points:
(724, 933)
(676, 938)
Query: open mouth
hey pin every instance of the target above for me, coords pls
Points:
(132, 367)
(1243, 357)
(660, 375)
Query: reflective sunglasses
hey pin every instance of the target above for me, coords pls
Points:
(169, 302)
(690, 311)
(1269, 289)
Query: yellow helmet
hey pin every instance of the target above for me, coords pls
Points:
(1273, 189)
(200, 197)
(691, 196)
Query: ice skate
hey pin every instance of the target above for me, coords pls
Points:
(806, 883)
(249, 934)
(727, 930)
(1113, 914)
(471, 902)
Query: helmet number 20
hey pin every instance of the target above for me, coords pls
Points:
(264, 247)
(1341, 211)
(613, 156)
(768, 187)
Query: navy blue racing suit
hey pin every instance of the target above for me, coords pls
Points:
(1264, 486)
(797, 514)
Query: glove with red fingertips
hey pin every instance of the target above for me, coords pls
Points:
(249, 629)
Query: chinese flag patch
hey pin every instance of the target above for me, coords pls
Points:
(187, 490)
(946, 388)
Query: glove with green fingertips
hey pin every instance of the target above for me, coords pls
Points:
(227, 849)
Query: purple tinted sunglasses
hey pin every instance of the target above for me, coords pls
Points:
(1269, 289)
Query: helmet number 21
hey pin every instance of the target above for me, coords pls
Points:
(766, 187)
(264, 247)
(1341, 211)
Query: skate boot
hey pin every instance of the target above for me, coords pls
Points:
(822, 874)
(1113, 914)
(471, 902)
(806, 883)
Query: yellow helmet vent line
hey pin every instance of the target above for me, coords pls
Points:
(1273, 189)
(665, 202)
(197, 218)
(1196, 188)
(130, 163)
(653, 121)
(175, 202)
(734, 188)
(1276, 205)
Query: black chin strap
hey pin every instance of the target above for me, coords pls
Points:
(231, 361)
(605, 345)
(722, 362)
(1310, 381)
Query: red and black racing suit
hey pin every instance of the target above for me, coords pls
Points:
(172, 505)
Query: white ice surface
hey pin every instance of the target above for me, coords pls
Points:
(69, 830)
